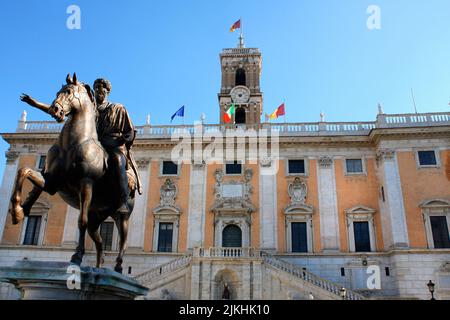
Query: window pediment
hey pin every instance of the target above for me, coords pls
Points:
(299, 209)
(167, 210)
(40, 207)
(360, 210)
(435, 203)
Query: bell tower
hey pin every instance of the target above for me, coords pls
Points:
(241, 72)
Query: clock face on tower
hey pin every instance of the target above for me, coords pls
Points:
(240, 94)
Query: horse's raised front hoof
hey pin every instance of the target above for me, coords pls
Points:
(26, 210)
(118, 269)
(76, 259)
(17, 214)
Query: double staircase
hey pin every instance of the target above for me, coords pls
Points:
(163, 270)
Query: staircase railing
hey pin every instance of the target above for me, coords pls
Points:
(163, 269)
(227, 252)
(310, 277)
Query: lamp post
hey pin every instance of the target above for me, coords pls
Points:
(343, 293)
(430, 285)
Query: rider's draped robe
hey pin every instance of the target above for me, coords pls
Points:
(114, 128)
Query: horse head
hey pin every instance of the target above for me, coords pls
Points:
(70, 98)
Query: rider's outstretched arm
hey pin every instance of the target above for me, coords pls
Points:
(34, 103)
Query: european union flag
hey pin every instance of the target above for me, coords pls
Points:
(179, 113)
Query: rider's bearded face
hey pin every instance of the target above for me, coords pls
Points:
(100, 93)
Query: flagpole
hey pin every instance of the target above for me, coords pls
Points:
(414, 100)
(241, 30)
(284, 103)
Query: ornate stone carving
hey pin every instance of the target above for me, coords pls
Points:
(218, 174)
(11, 156)
(31, 148)
(325, 161)
(142, 163)
(265, 161)
(233, 195)
(168, 194)
(297, 191)
(385, 154)
(445, 267)
(197, 164)
(248, 188)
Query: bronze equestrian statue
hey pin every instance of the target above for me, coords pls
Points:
(91, 166)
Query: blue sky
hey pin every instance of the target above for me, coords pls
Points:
(318, 55)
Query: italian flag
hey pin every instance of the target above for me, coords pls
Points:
(227, 115)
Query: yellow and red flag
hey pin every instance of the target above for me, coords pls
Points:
(236, 25)
(278, 112)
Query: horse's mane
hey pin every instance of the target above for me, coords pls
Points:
(87, 87)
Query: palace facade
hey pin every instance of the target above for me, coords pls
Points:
(363, 206)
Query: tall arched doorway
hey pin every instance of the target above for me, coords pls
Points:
(232, 236)
(240, 115)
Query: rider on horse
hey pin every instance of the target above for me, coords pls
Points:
(116, 134)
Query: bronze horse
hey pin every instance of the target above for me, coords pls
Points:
(76, 169)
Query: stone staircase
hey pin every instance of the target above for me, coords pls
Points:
(309, 277)
(157, 276)
(164, 269)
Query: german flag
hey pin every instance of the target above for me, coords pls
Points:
(236, 25)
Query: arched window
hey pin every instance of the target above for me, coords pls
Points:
(232, 236)
(240, 77)
(239, 116)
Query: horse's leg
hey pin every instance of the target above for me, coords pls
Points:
(77, 257)
(122, 226)
(94, 233)
(17, 211)
(85, 202)
(30, 200)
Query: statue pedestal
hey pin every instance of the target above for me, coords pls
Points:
(65, 281)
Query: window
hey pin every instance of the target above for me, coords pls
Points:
(165, 237)
(32, 230)
(362, 236)
(427, 158)
(169, 168)
(240, 77)
(296, 166)
(299, 237)
(233, 168)
(232, 236)
(439, 229)
(361, 229)
(437, 219)
(298, 222)
(106, 232)
(41, 164)
(354, 165)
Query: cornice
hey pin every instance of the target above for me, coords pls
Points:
(370, 140)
